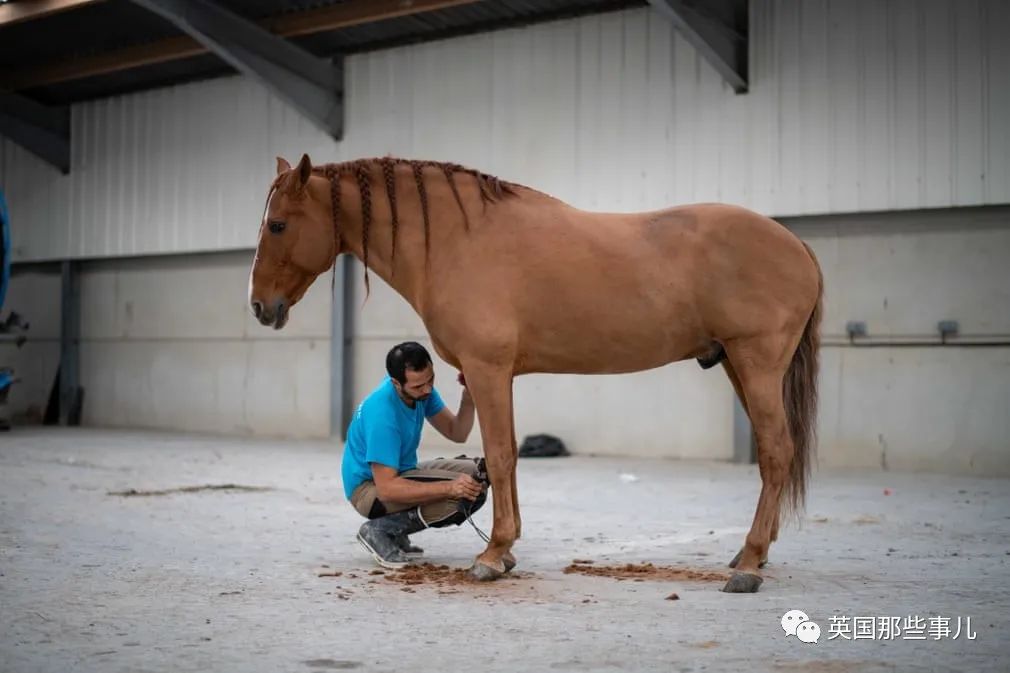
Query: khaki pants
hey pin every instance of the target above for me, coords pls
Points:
(437, 514)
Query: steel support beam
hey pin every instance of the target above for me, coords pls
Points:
(43, 131)
(718, 29)
(70, 338)
(341, 343)
(312, 85)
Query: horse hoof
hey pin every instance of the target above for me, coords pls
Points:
(736, 560)
(743, 583)
(509, 561)
(482, 572)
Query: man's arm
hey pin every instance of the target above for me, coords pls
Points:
(456, 427)
(397, 489)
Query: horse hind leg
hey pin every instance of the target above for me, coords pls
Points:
(735, 380)
(760, 365)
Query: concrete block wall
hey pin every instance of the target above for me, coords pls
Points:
(34, 293)
(942, 409)
(169, 342)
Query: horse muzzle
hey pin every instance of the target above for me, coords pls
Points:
(274, 315)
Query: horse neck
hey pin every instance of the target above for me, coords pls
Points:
(434, 205)
(405, 268)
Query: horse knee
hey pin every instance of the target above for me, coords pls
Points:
(500, 466)
(774, 464)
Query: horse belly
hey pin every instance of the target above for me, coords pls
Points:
(632, 335)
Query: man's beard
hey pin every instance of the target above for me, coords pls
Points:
(421, 398)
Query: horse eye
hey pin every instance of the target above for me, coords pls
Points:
(276, 227)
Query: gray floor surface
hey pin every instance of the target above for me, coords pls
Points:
(230, 580)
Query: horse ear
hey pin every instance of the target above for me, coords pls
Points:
(282, 165)
(304, 170)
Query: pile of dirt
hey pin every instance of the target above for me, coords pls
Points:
(645, 572)
(429, 573)
(443, 576)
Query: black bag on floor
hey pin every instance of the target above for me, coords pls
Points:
(542, 446)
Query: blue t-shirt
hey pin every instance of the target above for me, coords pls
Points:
(384, 430)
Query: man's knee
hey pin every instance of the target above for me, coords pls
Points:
(461, 509)
(377, 510)
(462, 464)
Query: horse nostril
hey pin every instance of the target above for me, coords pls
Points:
(257, 308)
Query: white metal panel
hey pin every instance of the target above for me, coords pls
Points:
(996, 100)
(760, 106)
(907, 148)
(874, 121)
(789, 125)
(843, 68)
(815, 108)
(854, 106)
(969, 131)
(936, 102)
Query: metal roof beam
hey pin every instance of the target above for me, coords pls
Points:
(26, 10)
(352, 13)
(43, 131)
(718, 29)
(312, 85)
(319, 20)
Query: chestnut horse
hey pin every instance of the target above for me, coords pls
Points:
(510, 281)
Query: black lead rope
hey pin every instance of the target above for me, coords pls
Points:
(482, 534)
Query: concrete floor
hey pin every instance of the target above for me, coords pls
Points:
(228, 581)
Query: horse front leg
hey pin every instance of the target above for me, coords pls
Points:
(491, 388)
(515, 467)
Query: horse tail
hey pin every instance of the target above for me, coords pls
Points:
(800, 397)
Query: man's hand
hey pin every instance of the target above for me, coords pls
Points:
(464, 487)
(461, 379)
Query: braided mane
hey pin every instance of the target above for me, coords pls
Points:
(490, 188)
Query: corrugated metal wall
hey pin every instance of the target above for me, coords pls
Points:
(855, 105)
